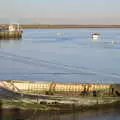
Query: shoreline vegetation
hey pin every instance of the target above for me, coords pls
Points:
(32, 26)
(75, 104)
(27, 108)
(17, 109)
(23, 108)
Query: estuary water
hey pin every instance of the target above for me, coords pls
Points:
(67, 55)
(106, 114)
(111, 114)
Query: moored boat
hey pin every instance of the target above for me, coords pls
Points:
(13, 31)
(95, 36)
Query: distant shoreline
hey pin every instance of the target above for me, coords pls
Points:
(32, 26)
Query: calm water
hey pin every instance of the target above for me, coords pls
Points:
(67, 55)
(110, 114)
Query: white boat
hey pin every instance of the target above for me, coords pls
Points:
(95, 36)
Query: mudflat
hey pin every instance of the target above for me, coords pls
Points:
(63, 26)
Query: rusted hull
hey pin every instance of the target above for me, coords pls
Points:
(11, 34)
(53, 87)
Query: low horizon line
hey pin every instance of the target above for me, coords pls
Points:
(66, 25)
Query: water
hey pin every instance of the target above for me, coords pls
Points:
(67, 55)
(111, 114)
(107, 114)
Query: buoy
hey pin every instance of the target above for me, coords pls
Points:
(58, 33)
(115, 42)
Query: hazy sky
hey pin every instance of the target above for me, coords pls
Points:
(61, 11)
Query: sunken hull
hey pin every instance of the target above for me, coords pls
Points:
(11, 34)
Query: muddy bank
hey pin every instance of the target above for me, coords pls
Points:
(13, 113)
(70, 26)
(64, 26)
(63, 105)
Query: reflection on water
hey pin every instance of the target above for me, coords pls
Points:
(14, 113)
(9, 43)
(111, 114)
(17, 114)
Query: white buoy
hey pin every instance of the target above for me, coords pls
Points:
(58, 33)
(115, 42)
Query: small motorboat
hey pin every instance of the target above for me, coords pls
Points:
(95, 36)
(13, 31)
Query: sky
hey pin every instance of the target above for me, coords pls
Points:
(60, 11)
